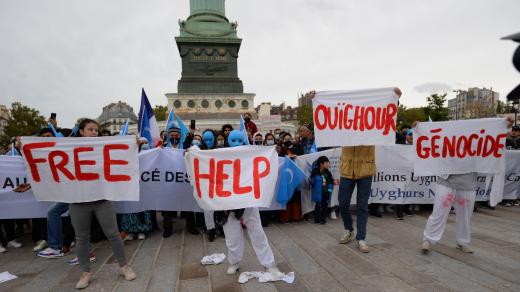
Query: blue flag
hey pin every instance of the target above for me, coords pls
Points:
(124, 129)
(313, 147)
(243, 130)
(147, 124)
(54, 132)
(290, 176)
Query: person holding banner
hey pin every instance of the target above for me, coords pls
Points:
(81, 216)
(357, 163)
(208, 143)
(250, 217)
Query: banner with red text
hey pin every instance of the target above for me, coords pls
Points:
(75, 170)
(351, 118)
(233, 178)
(457, 147)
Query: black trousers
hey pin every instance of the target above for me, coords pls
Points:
(7, 232)
(39, 229)
(321, 209)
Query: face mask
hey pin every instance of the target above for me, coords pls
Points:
(258, 142)
(236, 138)
(270, 142)
(145, 147)
(287, 143)
(175, 141)
(195, 142)
(247, 120)
(220, 143)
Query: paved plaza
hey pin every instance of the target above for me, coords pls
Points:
(311, 251)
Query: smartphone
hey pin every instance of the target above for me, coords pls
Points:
(53, 116)
(192, 124)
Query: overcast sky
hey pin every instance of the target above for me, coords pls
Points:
(74, 57)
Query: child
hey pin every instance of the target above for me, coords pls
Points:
(322, 184)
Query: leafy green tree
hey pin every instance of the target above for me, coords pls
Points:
(406, 116)
(22, 121)
(305, 115)
(160, 112)
(435, 108)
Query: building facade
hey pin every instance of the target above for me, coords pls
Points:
(114, 116)
(473, 103)
(4, 117)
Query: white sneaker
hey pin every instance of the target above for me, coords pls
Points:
(276, 272)
(425, 247)
(333, 215)
(464, 248)
(50, 253)
(2, 249)
(346, 237)
(141, 236)
(232, 269)
(363, 247)
(14, 243)
(40, 245)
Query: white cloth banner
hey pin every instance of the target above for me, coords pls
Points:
(396, 183)
(351, 118)
(458, 147)
(233, 178)
(75, 170)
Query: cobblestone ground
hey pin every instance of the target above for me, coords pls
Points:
(311, 251)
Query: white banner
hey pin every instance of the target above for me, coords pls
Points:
(233, 178)
(75, 170)
(396, 183)
(351, 118)
(458, 147)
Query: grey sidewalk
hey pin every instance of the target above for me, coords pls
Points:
(311, 251)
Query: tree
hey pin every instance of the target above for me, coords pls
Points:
(435, 108)
(478, 109)
(406, 116)
(160, 112)
(23, 121)
(305, 115)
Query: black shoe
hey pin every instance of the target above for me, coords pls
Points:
(167, 233)
(323, 222)
(212, 234)
(193, 231)
(376, 214)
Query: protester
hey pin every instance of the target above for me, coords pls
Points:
(458, 191)
(322, 184)
(258, 139)
(269, 139)
(513, 139)
(250, 218)
(357, 167)
(226, 129)
(7, 235)
(249, 124)
(306, 140)
(221, 141)
(209, 143)
(81, 215)
(293, 209)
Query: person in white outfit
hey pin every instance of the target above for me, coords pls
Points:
(234, 233)
(456, 191)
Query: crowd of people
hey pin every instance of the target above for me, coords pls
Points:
(56, 235)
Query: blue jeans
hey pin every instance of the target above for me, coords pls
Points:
(54, 235)
(346, 188)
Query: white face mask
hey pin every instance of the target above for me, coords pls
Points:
(195, 142)
(270, 142)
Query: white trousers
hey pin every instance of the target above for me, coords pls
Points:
(445, 198)
(235, 238)
(209, 220)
